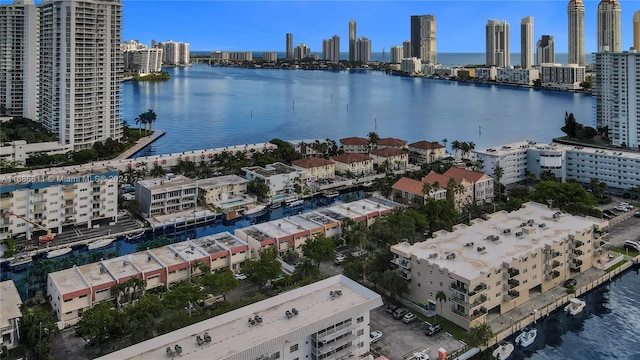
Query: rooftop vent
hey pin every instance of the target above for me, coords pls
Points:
(542, 225)
(530, 221)
(519, 233)
(288, 314)
(469, 244)
(480, 248)
(451, 256)
(434, 255)
(506, 231)
(556, 215)
(294, 311)
(335, 293)
(178, 349)
(257, 319)
(523, 224)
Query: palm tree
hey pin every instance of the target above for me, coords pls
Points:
(441, 297)
(139, 120)
(481, 333)
(455, 146)
(426, 189)
(373, 139)
(445, 141)
(150, 118)
(498, 172)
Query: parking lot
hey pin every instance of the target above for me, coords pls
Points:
(399, 339)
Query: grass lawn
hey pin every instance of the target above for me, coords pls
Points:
(456, 331)
(616, 265)
(624, 251)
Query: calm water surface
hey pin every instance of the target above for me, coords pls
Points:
(204, 107)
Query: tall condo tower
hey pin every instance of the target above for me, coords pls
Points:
(545, 52)
(498, 51)
(352, 40)
(575, 12)
(80, 68)
(526, 42)
(331, 49)
(396, 54)
(423, 38)
(289, 46)
(406, 49)
(363, 49)
(609, 37)
(636, 30)
(19, 58)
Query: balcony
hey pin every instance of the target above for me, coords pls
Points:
(405, 274)
(555, 254)
(459, 312)
(513, 283)
(458, 286)
(478, 312)
(555, 264)
(480, 300)
(478, 289)
(576, 264)
(555, 274)
(513, 272)
(578, 252)
(514, 294)
(577, 243)
(402, 262)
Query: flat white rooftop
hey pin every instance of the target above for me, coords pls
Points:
(70, 280)
(219, 242)
(470, 263)
(168, 181)
(121, 267)
(218, 181)
(143, 261)
(231, 333)
(10, 303)
(188, 250)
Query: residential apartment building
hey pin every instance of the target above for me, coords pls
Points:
(406, 49)
(517, 76)
(616, 89)
(355, 145)
(618, 169)
(57, 198)
(526, 42)
(231, 56)
(20, 150)
(331, 49)
(363, 49)
(143, 61)
(636, 30)
(356, 164)
(301, 51)
(396, 54)
(280, 178)
(425, 152)
(497, 44)
(464, 73)
(493, 265)
(609, 26)
(224, 191)
(166, 195)
(411, 65)
(10, 314)
(575, 13)
(545, 50)
(289, 45)
(19, 53)
(390, 158)
(269, 56)
(352, 40)
(75, 290)
(460, 192)
(423, 38)
(412, 192)
(393, 143)
(486, 73)
(568, 77)
(175, 53)
(315, 169)
(482, 183)
(328, 319)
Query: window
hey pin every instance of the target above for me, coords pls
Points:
(293, 348)
(360, 319)
(276, 355)
(498, 283)
(360, 332)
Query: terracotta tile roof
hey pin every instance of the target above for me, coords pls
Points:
(388, 152)
(441, 179)
(351, 158)
(409, 185)
(459, 173)
(311, 162)
(392, 142)
(354, 141)
(426, 145)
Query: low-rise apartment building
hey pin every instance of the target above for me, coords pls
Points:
(411, 191)
(391, 143)
(493, 265)
(20, 150)
(355, 145)
(10, 314)
(517, 76)
(486, 74)
(280, 178)
(56, 198)
(568, 77)
(169, 194)
(425, 152)
(352, 163)
(482, 183)
(225, 192)
(328, 319)
(390, 158)
(315, 169)
(460, 194)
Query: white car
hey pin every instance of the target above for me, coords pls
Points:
(375, 336)
(340, 258)
(240, 276)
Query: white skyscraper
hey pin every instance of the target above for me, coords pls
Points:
(423, 38)
(497, 40)
(609, 37)
(331, 49)
(575, 12)
(615, 89)
(526, 42)
(80, 68)
(352, 40)
(175, 53)
(396, 54)
(363, 49)
(19, 58)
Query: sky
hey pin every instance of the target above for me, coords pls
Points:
(262, 25)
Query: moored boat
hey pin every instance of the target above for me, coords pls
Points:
(256, 211)
(330, 193)
(20, 260)
(503, 351)
(134, 237)
(275, 205)
(55, 253)
(294, 203)
(526, 337)
(575, 306)
(99, 244)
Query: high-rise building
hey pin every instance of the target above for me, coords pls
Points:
(498, 37)
(406, 49)
(396, 54)
(609, 37)
(636, 30)
(289, 46)
(301, 51)
(423, 38)
(80, 68)
(545, 51)
(19, 58)
(363, 49)
(331, 49)
(526, 42)
(175, 53)
(352, 40)
(617, 102)
(575, 12)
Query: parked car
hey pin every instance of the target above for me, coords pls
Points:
(570, 283)
(340, 258)
(637, 214)
(374, 336)
(399, 313)
(432, 329)
(391, 308)
(240, 276)
(620, 208)
(409, 318)
(632, 245)
(609, 212)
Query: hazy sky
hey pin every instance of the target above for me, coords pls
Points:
(262, 25)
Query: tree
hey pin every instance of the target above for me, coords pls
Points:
(392, 282)
(220, 282)
(353, 268)
(598, 188)
(129, 290)
(441, 297)
(498, 172)
(157, 171)
(355, 234)
(319, 248)
(373, 139)
(263, 269)
(455, 146)
(37, 326)
(101, 322)
(571, 126)
(258, 187)
(481, 333)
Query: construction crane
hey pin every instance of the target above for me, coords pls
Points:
(43, 238)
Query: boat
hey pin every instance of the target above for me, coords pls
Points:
(503, 351)
(330, 194)
(275, 205)
(367, 183)
(256, 211)
(526, 337)
(294, 203)
(55, 253)
(20, 260)
(575, 306)
(99, 244)
(134, 237)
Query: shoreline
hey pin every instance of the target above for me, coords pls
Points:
(141, 144)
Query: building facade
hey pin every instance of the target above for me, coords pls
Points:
(636, 30)
(302, 51)
(616, 89)
(143, 61)
(497, 43)
(425, 152)
(167, 195)
(575, 13)
(363, 49)
(559, 76)
(10, 315)
(280, 178)
(355, 145)
(517, 76)
(545, 50)
(331, 49)
(423, 38)
(493, 265)
(270, 56)
(482, 183)
(609, 32)
(352, 40)
(315, 168)
(221, 190)
(175, 53)
(526, 42)
(356, 164)
(406, 49)
(289, 46)
(412, 65)
(390, 158)
(396, 54)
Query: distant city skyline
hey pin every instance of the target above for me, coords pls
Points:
(261, 26)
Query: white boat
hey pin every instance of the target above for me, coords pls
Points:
(367, 183)
(99, 244)
(256, 211)
(132, 237)
(330, 194)
(503, 351)
(55, 253)
(526, 337)
(575, 306)
(294, 203)
(275, 205)
(20, 260)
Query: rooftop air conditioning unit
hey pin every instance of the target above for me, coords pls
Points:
(451, 256)
(469, 244)
(480, 248)
(434, 255)
(519, 233)
(506, 231)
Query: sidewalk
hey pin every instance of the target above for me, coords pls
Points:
(142, 142)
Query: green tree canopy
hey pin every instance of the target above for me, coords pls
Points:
(319, 248)
(263, 269)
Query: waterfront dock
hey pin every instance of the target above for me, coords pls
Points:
(142, 142)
